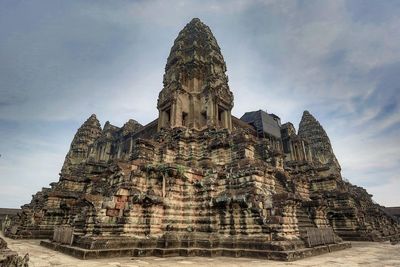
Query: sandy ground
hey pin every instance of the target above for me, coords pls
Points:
(361, 254)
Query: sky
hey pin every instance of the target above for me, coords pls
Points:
(61, 61)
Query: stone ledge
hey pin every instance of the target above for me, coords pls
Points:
(32, 234)
(290, 255)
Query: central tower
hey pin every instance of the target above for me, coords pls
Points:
(196, 94)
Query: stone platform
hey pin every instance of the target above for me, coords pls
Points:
(290, 255)
(360, 254)
(32, 234)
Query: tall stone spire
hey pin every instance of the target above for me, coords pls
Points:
(312, 131)
(196, 92)
(84, 137)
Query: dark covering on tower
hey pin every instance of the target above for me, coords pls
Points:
(264, 123)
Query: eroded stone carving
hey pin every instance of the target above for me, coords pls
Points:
(196, 92)
(312, 131)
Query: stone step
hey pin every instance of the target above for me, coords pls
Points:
(304, 222)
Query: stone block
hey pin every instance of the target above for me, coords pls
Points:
(108, 205)
(112, 212)
(120, 205)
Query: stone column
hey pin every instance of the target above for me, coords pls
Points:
(291, 148)
(225, 119)
(309, 154)
(216, 111)
(304, 150)
(130, 146)
(210, 112)
(190, 112)
(295, 152)
(160, 120)
(196, 112)
(173, 114)
(229, 120)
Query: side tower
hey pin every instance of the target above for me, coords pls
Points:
(196, 94)
(86, 135)
(312, 131)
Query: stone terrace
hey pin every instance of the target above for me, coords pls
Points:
(361, 253)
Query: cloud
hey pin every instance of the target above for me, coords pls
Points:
(62, 61)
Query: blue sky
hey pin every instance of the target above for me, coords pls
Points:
(61, 61)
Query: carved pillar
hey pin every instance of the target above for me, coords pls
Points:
(229, 121)
(191, 112)
(304, 150)
(225, 119)
(210, 112)
(291, 148)
(173, 114)
(130, 145)
(296, 152)
(161, 120)
(309, 154)
(196, 112)
(216, 108)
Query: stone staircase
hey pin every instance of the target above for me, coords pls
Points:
(304, 222)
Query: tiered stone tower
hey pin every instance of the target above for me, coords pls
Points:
(312, 131)
(196, 94)
(86, 135)
(199, 182)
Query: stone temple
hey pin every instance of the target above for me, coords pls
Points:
(198, 181)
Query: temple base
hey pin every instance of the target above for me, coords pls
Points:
(30, 234)
(289, 255)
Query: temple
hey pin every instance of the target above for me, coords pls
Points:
(198, 181)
